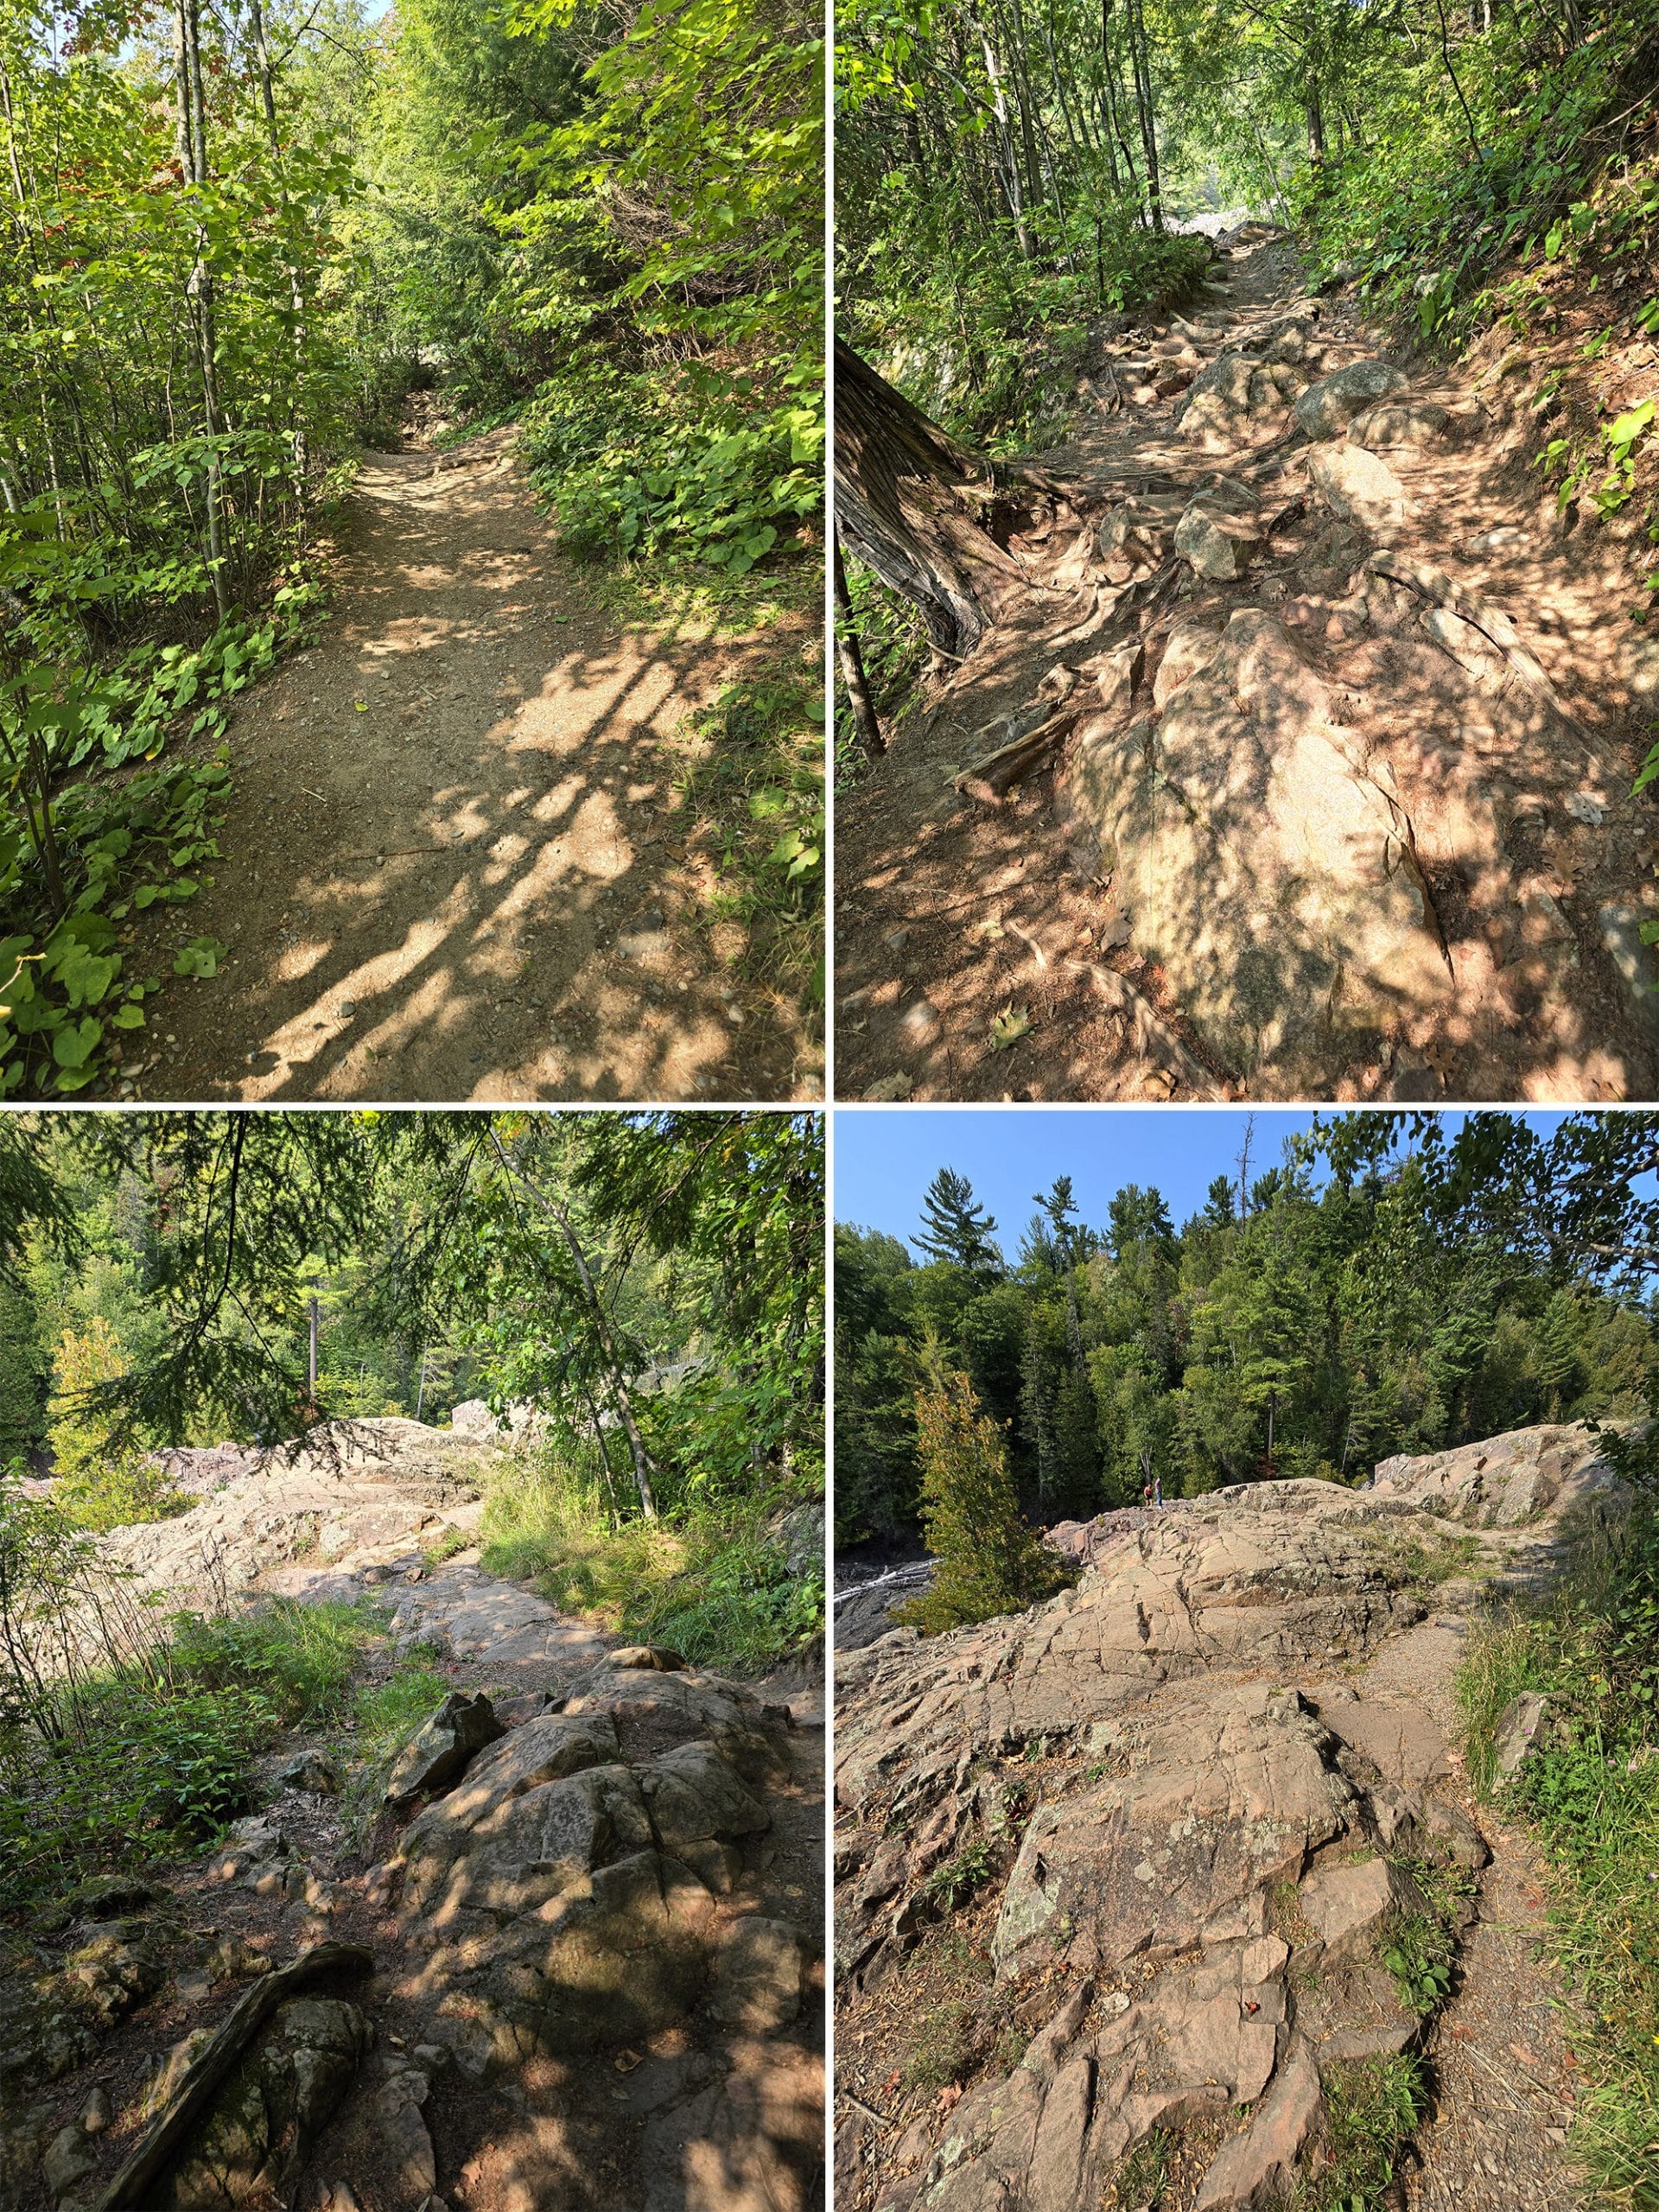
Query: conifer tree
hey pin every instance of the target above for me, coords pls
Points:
(985, 1560)
(956, 1228)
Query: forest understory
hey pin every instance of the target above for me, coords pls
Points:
(1299, 760)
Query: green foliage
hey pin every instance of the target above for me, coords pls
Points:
(100, 1485)
(1373, 2106)
(985, 1560)
(755, 785)
(297, 1660)
(1139, 2179)
(114, 847)
(1417, 1951)
(157, 1758)
(1406, 1303)
(1590, 1793)
(954, 1880)
(714, 1584)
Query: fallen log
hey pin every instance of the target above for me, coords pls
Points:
(132, 2187)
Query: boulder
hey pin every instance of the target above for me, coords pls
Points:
(1217, 544)
(1508, 1481)
(313, 1771)
(655, 1657)
(1327, 407)
(1358, 487)
(1233, 397)
(1348, 1906)
(1519, 1726)
(268, 2114)
(437, 1755)
(70, 2157)
(55, 2013)
(761, 1974)
(1406, 423)
(1275, 882)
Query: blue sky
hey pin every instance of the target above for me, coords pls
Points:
(885, 1161)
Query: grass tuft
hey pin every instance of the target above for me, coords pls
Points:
(711, 1582)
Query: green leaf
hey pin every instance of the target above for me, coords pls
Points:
(1009, 1027)
(201, 957)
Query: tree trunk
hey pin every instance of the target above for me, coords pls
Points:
(865, 721)
(919, 508)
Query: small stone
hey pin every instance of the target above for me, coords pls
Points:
(1583, 808)
(1515, 1737)
(889, 1087)
(348, 1007)
(313, 1771)
(95, 2114)
(919, 1025)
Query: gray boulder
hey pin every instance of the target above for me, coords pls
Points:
(437, 1755)
(1521, 1725)
(1358, 487)
(1327, 407)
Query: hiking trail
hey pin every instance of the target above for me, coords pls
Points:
(455, 862)
(1117, 1879)
(1302, 766)
(581, 1959)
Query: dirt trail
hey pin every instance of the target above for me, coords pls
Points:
(1508, 779)
(454, 862)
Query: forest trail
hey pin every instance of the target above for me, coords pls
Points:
(1234, 1665)
(454, 864)
(690, 2078)
(1372, 831)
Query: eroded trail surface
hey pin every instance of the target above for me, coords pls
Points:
(1135, 1891)
(583, 1950)
(455, 862)
(1339, 725)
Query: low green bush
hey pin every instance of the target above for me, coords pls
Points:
(707, 1579)
(716, 470)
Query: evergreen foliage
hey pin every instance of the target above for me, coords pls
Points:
(1387, 1291)
(985, 1560)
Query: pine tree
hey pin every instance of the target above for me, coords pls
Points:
(985, 1560)
(955, 1228)
(1037, 1402)
(1076, 1446)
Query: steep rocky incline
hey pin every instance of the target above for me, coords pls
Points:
(575, 1960)
(1341, 722)
(1168, 1867)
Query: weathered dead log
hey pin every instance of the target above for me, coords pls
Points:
(132, 2186)
(930, 516)
(1153, 1039)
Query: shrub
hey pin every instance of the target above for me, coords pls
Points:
(985, 1560)
(100, 1485)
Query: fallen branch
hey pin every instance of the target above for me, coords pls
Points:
(132, 2186)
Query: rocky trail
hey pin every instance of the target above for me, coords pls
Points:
(1301, 767)
(572, 1961)
(1146, 1897)
(456, 862)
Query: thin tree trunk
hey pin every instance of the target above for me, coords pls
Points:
(852, 664)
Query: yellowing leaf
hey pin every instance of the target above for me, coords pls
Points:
(1009, 1026)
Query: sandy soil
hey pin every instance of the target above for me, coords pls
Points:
(455, 864)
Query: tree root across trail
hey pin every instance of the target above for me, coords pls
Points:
(455, 863)
(1168, 1887)
(1287, 752)
(586, 1972)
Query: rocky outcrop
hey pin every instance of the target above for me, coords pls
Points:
(359, 1489)
(1510, 1481)
(567, 1889)
(1192, 1838)
(1274, 879)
